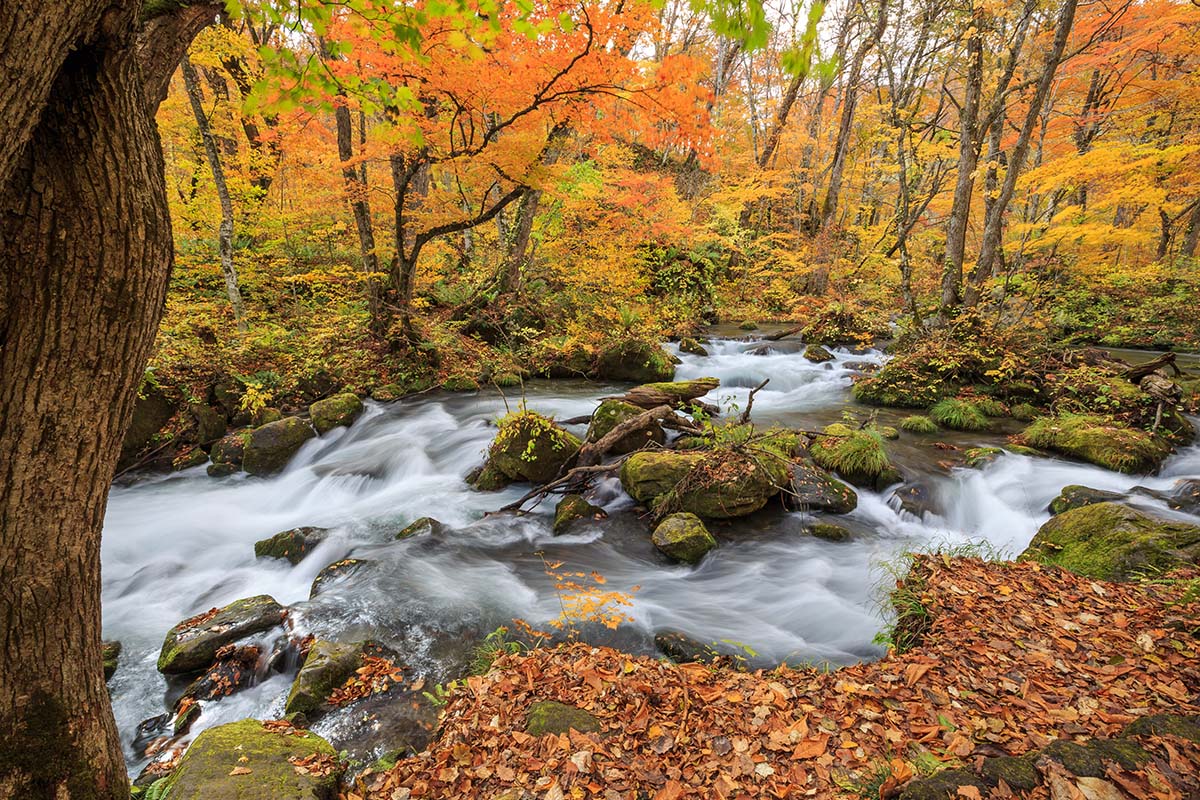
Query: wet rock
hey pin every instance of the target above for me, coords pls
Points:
(813, 489)
(291, 545)
(531, 447)
(233, 668)
(152, 411)
(188, 458)
(917, 499)
(271, 446)
(863, 367)
(487, 478)
(1110, 541)
(748, 325)
(1076, 496)
(647, 475)
(388, 393)
(683, 537)
(334, 412)
(692, 347)
(571, 508)
(326, 667)
(943, 786)
(717, 484)
(216, 470)
(547, 716)
(1185, 727)
(683, 649)
(460, 383)
(193, 644)
(634, 361)
(980, 457)
(1099, 441)
(421, 527)
(210, 423)
(248, 761)
(1018, 773)
(110, 651)
(817, 354)
(829, 532)
(227, 453)
(611, 413)
(1077, 759)
(1185, 496)
(761, 350)
(335, 571)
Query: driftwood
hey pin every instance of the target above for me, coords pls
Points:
(591, 454)
(676, 394)
(750, 402)
(1135, 374)
(775, 337)
(574, 478)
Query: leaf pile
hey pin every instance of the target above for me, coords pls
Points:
(377, 674)
(1017, 655)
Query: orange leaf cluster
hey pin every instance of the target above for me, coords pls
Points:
(377, 674)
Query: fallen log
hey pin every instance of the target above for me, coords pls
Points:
(775, 337)
(591, 453)
(1136, 373)
(679, 393)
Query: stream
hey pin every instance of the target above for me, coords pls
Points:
(177, 545)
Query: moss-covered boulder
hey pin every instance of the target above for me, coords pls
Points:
(683, 537)
(326, 667)
(1185, 727)
(488, 478)
(334, 412)
(271, 446)
(423, 526)
(980, 457)
(748, 325)
(1110, 541)
(855, 454)
(817, 354)
(291, 545)
(571, 508)
(247, 761)
(531, 447)
(634, 361)
(692, 347)
(1076, 496)
(1100, 441)
(828, 531)
(110, 651)
(192, 644)
(227, 454)
(647, 475)
(720, 484)
(335, 572)
(958, 415)
(209, 422)
(1018, 773)
(611, 413)
(813, 489)
(388, 392)
(548, 716)
(898, 386)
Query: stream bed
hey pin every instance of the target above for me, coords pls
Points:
(177, 545)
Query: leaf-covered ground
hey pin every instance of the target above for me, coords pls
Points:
(1017, 655)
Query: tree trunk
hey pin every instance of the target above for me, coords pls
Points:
(518, 250)
(1193, 232)
(225, 231)
(85, 255)
(360, 207)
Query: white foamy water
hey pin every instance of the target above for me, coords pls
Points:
(179, 545)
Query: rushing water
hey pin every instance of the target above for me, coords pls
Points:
(177, 545)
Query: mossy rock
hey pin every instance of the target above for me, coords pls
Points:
(990, 407)
(897, 386)
(210, 423)
(1100, 441)
(550, 717)
(1185, 727)
(748, 325)
(229, 450)
(958, 415)
(247, 761)
(531, 447)
(683, 537)
(1076, 496)
(692, 347)
(271, 446)
(335, 412)
(571, 508)
(388, 393)
(1121, 751)
(1023, 412)
(813, 489)
(857, 455)
(460, 383)
(980, 457)
(193, 457)
(334, 572)
(634, 361)
(326, 667)
(649, 474)
(192, 645)
(110, 651)
(1018, 773)
(217, 470)
(828, 531)
(1078, 760)
(918, 424)
(943, 786)
(1022, 450)
(611, 413)
(488, 478)
(817, 354)
(683, 649)
(266, 415)
(151, 412)
(291, 545)
(1110, 541)
(422, 526)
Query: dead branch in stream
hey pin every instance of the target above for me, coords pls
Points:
(750, 402)
(575, 479)
(592, 452)
(775, 337)
(1135, 374)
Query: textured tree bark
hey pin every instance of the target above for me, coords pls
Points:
(360, 207)
(518, 250)
(225, 230)
(1193, 232)
(85, 255)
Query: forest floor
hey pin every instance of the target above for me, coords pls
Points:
(1009, 657)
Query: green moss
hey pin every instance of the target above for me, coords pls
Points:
(611, 413)
(388, 393)
(291, 545)
(898, 386)
(333, 412)
(326, 667)
(856, 455)
(649, 474)
(683, 537)
(829, 532)
(1076, 496)
(571, 508)
(507, 379)
(488, 479)
(978, 457)
(748, 325)
(549, 717)
(1185, 727)
(635, 361)
(1109, 541)
(192, 646)
(692, 346)
(38, 744)
(991, 407)
(1100, 441)
(1018, 773)
(918, 423)
(272, 445)
(817, 354)
(1077, 759)
(959, 415)
(111, 653)
(1023, 412)
(531, 447)
(419, 527)
(460, 383)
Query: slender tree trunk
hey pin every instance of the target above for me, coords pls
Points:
(360, 207)
(225, 231)
(1193, 233)
(518, 251)
(85, 256)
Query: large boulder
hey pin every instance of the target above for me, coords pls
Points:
(1110, 541)
(634, 361)
(531, 447)
(271, 446)
(647, 475)
(718, 484)
(856, 455)
(291, 545)
(151, 412)
(683, 537)
(1076, 496)
(248, 761)
(326, 667)
(192, 644)
(1099, 440)
(227, 454)
(813, 489)
(611, 413)
(332, 412)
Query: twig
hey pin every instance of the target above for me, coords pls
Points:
(750, 403)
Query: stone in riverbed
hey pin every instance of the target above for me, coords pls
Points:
(980, 457)
(333, 412)
(271, 446)
(571, 508)
(1100, 441)
(817, 354)
(247, 761)
(326, 667)
(634, 361)
(547, 716)
(917, 499)
(192, 644)
(829, 532)
(1076, 496)
(111, 653)
(692, 347)
(683, 537)
(713, 484)
(1110, 541)
(815, 490)
(418, 527)
(683, 649)
(531, 447)
(611, 413)
(335, 571)
(227, 454)
(292, 545)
